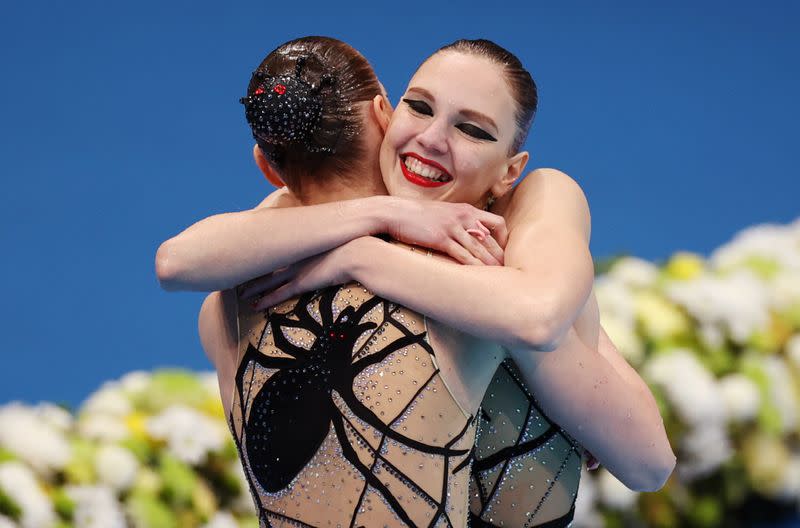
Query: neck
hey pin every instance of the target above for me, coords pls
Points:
(341, 190)
(361, 182)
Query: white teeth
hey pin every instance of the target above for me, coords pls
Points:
(426, 171)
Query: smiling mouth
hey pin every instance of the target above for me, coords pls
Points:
(425, 173)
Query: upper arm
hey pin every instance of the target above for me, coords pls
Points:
(549, 228)
(218, 329)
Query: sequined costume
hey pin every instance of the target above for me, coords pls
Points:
(526, 469)
(341, 416)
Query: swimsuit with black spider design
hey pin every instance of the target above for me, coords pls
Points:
(341, 416)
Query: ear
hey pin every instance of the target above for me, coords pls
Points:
(382, 111)
(269, 171)
(514, 167)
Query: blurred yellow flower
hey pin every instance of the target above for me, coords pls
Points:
(136, 424)
(684, 266)
(660, 319)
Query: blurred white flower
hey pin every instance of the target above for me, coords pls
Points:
(634, 272)
(793, 350)
(210, 382)
(782, 392)
(625, 339)
(108, 400)
(55, 416)
(116, 466)
(688, 385)
(244, 502)
(614, 493)
(222, 520)
(135, 382)
(586, 514)
(784, 289)
(789, 486)
(103, 427)
(742, 398)
(31, 438)
(190, 435)
(96, 507)
(711, 335)
(19, 483)
(5, 522)
(773, 242)
(615, 300)
(703, 449)
(738, 302)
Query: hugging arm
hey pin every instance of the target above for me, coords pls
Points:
(601, 401)
(225, 250)
(596, 397)
(530, 302)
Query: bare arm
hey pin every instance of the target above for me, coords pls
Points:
(218, 331)
(228, 249)
(602, 402)
(224, 250)
(530, 302)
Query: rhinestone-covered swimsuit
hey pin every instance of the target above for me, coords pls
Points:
(342, 419)
(526, 469)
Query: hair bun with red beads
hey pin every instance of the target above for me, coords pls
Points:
(286, 109)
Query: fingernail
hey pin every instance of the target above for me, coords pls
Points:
(477, 234)
(483, 227)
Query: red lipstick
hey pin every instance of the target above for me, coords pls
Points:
(419, 180)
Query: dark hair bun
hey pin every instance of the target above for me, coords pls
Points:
(285, 109)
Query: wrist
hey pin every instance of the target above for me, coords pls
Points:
(359, 254)
(373, 212)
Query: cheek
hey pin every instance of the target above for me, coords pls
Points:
(401, 130)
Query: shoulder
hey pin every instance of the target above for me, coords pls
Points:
(282, 197)
(549, 196)
(549, 180)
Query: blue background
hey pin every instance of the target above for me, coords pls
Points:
(121, 126)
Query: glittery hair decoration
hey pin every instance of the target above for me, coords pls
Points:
(287, 109)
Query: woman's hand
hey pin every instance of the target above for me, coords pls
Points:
(326, 269)
(467, 234)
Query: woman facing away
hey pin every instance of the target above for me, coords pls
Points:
(445, 135)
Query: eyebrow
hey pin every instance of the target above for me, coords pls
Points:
(473, 115)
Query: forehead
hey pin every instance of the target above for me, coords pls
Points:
(463, 81)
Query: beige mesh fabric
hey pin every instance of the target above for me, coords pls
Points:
(526, 469)
(340, 423)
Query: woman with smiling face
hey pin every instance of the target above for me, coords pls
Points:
(446, 142)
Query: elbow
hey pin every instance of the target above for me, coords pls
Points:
(167, 270)
(536, 327)
(655, 474)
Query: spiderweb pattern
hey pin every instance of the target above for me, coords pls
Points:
(526, 469)
(341, 417)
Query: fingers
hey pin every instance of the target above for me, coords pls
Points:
(267, 282)
(277, 296)
(494, 249)
(476, 247)
(496, 225)
(591, 462)
(459, 253)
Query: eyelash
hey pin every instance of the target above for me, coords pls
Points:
(421, 107)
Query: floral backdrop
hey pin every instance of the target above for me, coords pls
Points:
(717, 339)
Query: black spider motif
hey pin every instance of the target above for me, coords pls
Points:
(282, 435)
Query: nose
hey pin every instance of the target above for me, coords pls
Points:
(434, 137)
